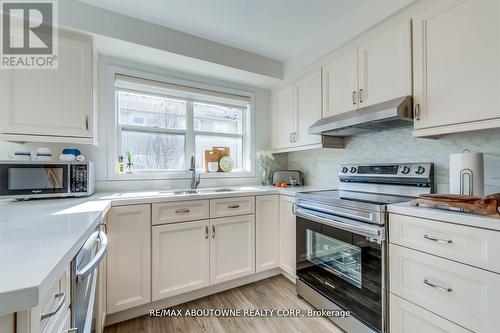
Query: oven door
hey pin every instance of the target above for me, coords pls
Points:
(25, 179)
(343, 260)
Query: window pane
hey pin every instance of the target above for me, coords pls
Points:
(154, 151)
(151, 111)
(208, 142)
(217, 118)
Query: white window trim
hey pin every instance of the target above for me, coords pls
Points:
(110, 101)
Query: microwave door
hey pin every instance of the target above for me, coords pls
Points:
(33, 179)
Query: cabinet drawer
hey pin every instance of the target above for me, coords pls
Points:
(171, 212)
(232, 206)
(473, 246)
(406, 317)
(462, 294)
(59, 292)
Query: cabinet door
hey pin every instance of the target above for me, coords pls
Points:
(385, 66)
(456, 63)
(308, 106)
(406, 317)
(180, 258)
(340, 85)
(283, 118)
(267, 227)
(128, 257)
(54, 102)
(287, 241)
(232, 248)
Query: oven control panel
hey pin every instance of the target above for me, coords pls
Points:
(398, 170)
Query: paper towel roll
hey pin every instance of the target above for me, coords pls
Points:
(467, 173)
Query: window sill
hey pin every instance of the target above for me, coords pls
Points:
(181, 175)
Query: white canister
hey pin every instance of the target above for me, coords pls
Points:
(467, 173)
(213, 166)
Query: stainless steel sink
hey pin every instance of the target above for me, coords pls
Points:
(184, 192)
(217, 190)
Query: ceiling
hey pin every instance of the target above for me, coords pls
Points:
(278, 29)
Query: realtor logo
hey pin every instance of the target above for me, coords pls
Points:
(29, 34)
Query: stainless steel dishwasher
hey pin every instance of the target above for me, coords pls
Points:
(84, 268)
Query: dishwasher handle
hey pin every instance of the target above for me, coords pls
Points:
(85, 271)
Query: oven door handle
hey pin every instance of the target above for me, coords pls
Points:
(85, 271)
(374, 232)
(343, 213)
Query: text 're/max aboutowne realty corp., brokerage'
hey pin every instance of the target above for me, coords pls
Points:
(247, 313)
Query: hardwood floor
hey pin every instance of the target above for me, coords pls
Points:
(273, 293)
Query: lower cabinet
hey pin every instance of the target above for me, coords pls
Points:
(181, 258)
(406, 317)
(267, 232)
(128, 257)
(287, 233)
(232, 248)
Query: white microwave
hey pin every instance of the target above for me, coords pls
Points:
(27, 180)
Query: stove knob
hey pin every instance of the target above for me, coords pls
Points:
(405, 170)
(420, 170)
(344, 170)
(353, 170)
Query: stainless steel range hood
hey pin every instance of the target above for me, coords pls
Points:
(379, 117)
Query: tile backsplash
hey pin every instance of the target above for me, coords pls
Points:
(320, 165)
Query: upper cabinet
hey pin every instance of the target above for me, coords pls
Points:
(385, 66)
(457, 67)
(378, 71)
(296, 107)
(52, 105)
(340, 85)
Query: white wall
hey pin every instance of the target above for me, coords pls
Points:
(100, 154)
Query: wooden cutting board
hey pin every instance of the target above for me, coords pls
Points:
(214, 155)
(484, 206)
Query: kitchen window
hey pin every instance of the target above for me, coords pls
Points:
(164, 124)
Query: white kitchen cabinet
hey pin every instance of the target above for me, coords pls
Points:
(283, 117)
(226, 207)
(385, 66)
(51, 105)
(180, 258)
(287, 233)
(340, 84)
(406, 317)
(267, 232)
(128, 257)
(308, 108)
(295, 108)
(456, 67)
(232, 248)
(465, 295)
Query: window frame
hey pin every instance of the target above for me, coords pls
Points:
(114, 129)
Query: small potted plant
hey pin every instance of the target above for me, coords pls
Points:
(129, 162)
(265, 160)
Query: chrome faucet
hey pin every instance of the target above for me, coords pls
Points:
(194, 182)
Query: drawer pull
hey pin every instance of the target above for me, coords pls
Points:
(233, 206)
(447, 241)
(213, 231)
(435, 286)
(206, 232)
(59, 305)
(182, 210)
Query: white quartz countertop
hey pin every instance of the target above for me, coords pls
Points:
(468, 219)
(39, 238)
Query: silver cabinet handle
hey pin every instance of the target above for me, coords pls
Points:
(72, 330)
(87, 123)
(85, 271)
(435, 286)
(447, 241)
(233, 206)
(59, 305)
(206, 232)
(182, 210)
(213, 231)
(417, 112)
(295, 137)
(291, 141)
(354, 98)
(361, 95)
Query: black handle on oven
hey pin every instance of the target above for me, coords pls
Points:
(85, 271)
(360, 228)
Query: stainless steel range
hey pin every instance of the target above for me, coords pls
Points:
(341, 240)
